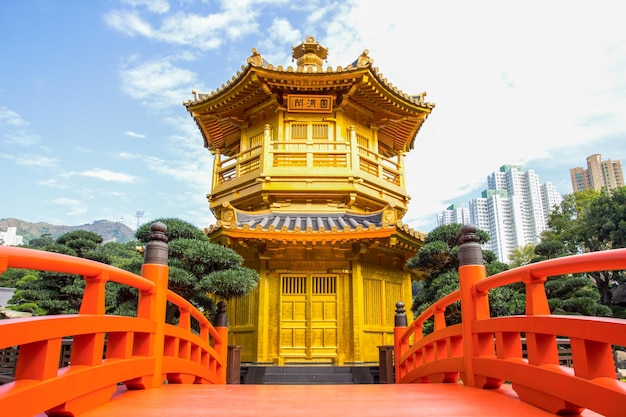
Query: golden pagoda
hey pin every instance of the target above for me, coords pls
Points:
(309, 188)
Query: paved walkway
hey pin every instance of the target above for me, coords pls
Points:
(368, 400)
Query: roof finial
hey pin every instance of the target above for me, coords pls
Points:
(309, 54)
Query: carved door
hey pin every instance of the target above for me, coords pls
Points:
(308, 318)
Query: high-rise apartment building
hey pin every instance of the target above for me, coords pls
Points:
(513, 210)
(454, 214)
(598, 175)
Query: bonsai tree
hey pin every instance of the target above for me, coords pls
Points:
(200, 271)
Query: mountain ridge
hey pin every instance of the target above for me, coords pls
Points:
(109, 230)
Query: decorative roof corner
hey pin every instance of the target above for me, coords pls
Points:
(256, 60)
(228, 216)
(363, 61)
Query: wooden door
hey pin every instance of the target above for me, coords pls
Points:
(308, 330)
(323, 322)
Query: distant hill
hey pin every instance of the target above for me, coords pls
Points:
(110, 231)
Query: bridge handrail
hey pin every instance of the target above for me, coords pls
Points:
(187, 311)
(608, 260)
(24, 258)
(484, 351)
(140, 352)
(437, 311)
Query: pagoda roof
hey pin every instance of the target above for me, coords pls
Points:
(320, 227)
(358, 88)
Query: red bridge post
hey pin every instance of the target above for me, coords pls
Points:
(400, 346)
(221, 346)
(153, 305)
(473, 307)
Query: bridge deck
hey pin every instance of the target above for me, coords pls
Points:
(318, 400)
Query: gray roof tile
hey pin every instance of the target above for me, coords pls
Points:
(308, 221)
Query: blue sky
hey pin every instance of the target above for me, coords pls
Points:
(92, 124)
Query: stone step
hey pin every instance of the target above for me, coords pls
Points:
(307, 375)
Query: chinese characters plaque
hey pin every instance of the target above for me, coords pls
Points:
(316, 104)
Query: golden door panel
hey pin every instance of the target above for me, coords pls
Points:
(323, 325)
(308, 317)
(293, 326)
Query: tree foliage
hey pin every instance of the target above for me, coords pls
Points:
(53, 292)
(42, 241)
(567, 294)
(522, 256)
(440, 252)
(201, 270)
(590, 221)
(439, 258)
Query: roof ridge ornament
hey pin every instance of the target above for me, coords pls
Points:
(256, 60)
(363, 61)
(309, 55)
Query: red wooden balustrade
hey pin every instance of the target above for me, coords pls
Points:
(140, 352)
(486, 352)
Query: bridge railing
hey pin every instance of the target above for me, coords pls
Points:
(139, 352)
(486, 352)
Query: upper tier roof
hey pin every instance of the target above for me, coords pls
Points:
(358, 89)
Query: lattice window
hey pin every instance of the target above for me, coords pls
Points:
(256, 140)
(244, 309)
(324, 284)
(320, 130)
(393, 294)
(299, 130)
(372, 294)
(362, 141)
(294, 284)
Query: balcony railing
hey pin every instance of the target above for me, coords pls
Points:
(300, 155)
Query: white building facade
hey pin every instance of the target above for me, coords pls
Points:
(11, 238)
(513, 210)
(454, 214)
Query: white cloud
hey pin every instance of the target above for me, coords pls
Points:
(155, 6)
(15, 129)
(282, 30)
(203, 31)
(125, 155)
(53, 184)
(37, 161)
(158, 83)
(129, 23)
(10, 118)
(84, 150)
(134, 134)
(106, 175)
(73, 207)
(21, 138)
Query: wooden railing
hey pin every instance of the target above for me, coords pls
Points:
(139, 352)
(298, 154)
(239, 165)
(486, 352)
(379, 166)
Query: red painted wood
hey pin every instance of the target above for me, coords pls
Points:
(371, 400)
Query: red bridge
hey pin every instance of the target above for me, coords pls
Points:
(138, 366)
